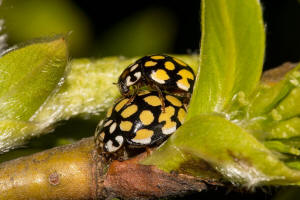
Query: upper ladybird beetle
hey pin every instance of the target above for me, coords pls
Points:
(160, 72)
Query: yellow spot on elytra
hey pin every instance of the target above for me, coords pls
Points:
(129, 111)
(160, 76)
(143, 134)
(150, 64)
(186, 74)
(174, 101)
(157, 57)
(169, 65)
(120, 105)
(143, 92)
(183, 83)
(125, 125)
(109, 111)
(180, 62)
(153, 100)
(170, 126)
(181, 115)
(146, 117)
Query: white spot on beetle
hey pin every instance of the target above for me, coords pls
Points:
(133, 67)
(181, 86)
(110, 147)
(153, 76)
(112, 128)
(169, 130)
(119, 139)
(137, 75)
(142, 141)
(108, 123)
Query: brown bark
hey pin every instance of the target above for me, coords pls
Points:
(59, 173)
(77, 172)
(131, 180)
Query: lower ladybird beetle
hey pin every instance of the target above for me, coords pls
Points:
(141, 123)
(160, 72)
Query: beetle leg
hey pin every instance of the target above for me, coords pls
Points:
(149, 151)
(161, 97)
(187, 98)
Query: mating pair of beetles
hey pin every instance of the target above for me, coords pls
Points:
(156, 90)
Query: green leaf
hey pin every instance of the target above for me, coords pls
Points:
(284, 129)
(294, 141)
(231, 54)
(281, 147)
(267, 97)
(294, 164)
(289, 106)
(28, 76)
(14, 133)
(228, 148)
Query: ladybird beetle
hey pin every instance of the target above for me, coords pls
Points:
(141, 123)
(160, 72)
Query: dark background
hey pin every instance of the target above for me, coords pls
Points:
(282, 19)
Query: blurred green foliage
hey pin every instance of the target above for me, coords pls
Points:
(155, 28)
(149, 31)
(25, 20)
(291, 193)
